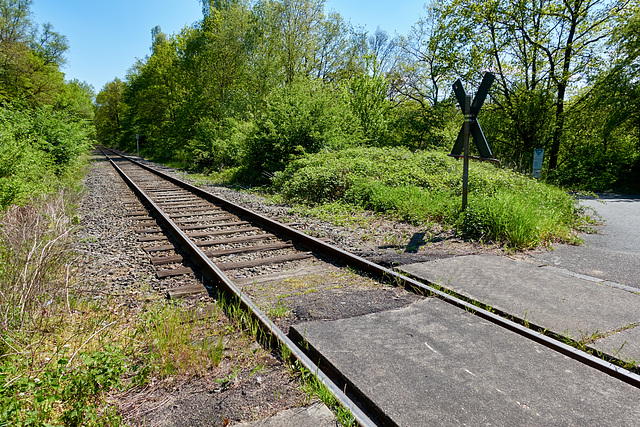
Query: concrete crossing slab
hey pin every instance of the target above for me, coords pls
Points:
(314, 415)
(570, 306)
(434, 364)
(624, 345)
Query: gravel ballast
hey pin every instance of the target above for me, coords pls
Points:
(116, 266)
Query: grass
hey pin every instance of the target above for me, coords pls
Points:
(68, 350)
(425, 187)
(314, 387)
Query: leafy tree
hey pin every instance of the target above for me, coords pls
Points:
(338, 51)
(109, 111)
(29, 69)
(77, 98)
(15, 21)
(44, 121)
(543, 46)
(300, 26)
(153, 94)
(50, 45)
(300, 118)
(436, 52)
(368, 100)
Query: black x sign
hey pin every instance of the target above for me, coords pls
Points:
(476, 130)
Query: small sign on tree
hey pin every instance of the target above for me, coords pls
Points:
(538, 157)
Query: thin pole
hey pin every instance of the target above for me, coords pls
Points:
(468, 118)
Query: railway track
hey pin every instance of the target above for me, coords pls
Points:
(186, 230)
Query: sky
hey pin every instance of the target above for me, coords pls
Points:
(107, 36)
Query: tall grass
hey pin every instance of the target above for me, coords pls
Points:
(35, 260)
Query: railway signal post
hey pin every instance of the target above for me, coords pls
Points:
(471, 127)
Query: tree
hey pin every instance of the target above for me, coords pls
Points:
(77, 98)
(300, 26)
(50, 45)
(153, 95)
(29, 69)
(109, 111)
(339, 52)
(542, 44)
(15, 21)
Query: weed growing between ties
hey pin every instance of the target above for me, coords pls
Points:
(314, 388)
(425, 187)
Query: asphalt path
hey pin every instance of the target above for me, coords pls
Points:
(612, 252)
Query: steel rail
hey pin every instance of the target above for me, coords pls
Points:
(212, 272)
(333, 252)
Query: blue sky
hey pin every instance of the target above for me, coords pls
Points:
(107, 36)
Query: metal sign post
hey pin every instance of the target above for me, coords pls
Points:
(471, 127)
(466, 130)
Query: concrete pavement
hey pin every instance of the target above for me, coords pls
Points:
(434, 364)
(613, 251)
(575, 307)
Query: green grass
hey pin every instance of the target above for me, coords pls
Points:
(424, 187)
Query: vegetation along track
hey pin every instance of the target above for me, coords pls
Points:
(187, 230)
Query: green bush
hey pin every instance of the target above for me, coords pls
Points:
(300, 118)
(217, 145)
(426, 186)
(593, 169)
(37, 149)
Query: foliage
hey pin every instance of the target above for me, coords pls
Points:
(217, 145)
(595, 169)
(426, 186)
(38, 148)
(169, 331)
(253, 85)
(44, 121)
(35, 259)
(109, 110)
(367, 99)
(72, 392)
(301, 118)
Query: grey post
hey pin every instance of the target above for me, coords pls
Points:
(468, 118)
(138, 144)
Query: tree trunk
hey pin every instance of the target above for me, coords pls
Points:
(559, 126)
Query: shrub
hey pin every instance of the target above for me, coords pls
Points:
(593, 169)
(34, 254)
(426, 186)
(37, 149)
(217, 145)
(303, 117)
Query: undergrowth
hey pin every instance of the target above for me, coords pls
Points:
(422, 187)
(69, 349)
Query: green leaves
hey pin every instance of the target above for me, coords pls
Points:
(33, 399)
(37, 148)
(304, 117)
